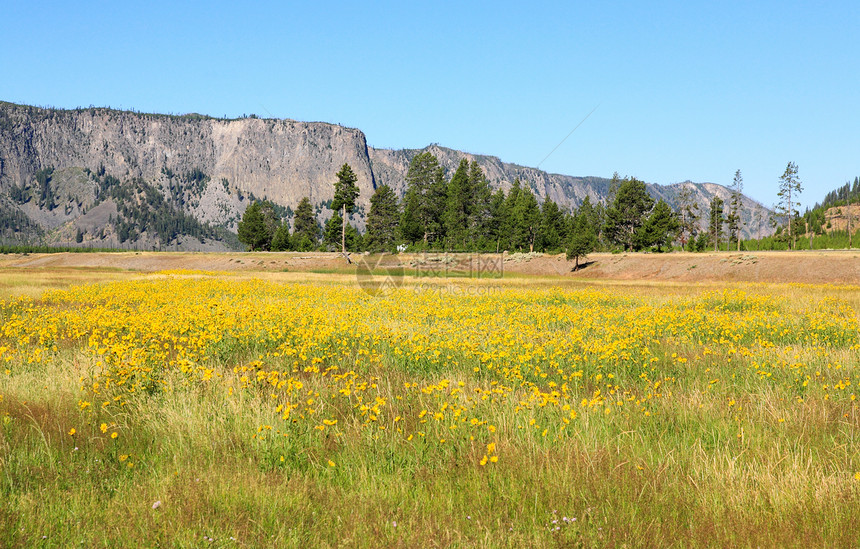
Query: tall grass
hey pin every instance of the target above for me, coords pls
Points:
(617, 416)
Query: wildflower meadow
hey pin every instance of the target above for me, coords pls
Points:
(204, 409)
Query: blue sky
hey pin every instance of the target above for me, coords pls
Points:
(683, 90)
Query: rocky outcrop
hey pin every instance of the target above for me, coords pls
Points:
(283, 160)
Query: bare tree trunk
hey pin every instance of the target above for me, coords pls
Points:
(343, 231)
(790, 216)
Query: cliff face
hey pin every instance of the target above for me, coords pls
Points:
(207, 168)
(280, 159)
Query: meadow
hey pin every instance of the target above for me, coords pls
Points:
(227, 409)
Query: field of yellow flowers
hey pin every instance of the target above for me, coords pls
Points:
(196, 409)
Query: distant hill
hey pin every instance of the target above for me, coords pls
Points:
(102, 177)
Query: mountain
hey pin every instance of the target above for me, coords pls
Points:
(389, 167)
(105, 177)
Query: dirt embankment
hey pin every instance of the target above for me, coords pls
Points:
(817, 267)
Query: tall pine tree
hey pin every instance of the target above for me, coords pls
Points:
(345, 193)
(382, 220)
(253, 229)
(458, 207)
(426, 178)
(627, 212)
(552, 229)
(527, 217)
(411, 228)
(789, 194)
(480, 214)
(715, 225)
(733, 219)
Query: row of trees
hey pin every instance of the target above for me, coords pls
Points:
(463, 213)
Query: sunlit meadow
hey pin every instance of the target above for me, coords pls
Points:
(206, 409)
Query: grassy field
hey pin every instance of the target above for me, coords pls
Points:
(241, 409)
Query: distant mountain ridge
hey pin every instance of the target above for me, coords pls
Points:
(207, 169)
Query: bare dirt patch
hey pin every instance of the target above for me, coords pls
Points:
(815, 267)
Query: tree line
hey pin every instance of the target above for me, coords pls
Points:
(464, 214)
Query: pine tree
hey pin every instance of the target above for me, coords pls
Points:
(480, 213)
(848, 215)
(458, 207)
(715, 225)
(345, 193)
(614, 185)
(552, 227)
(281, 241)
(305, 227)
(333, 232)
(659, 229)
(582, 240)
(253, 229)
(410, 227)
(497, 221)
(789, 192)
(510, 229)
(334, 235)
(527, 217)
(427, 179)
(382, 220)
(592, 214)
(627, 212)
(733, 219)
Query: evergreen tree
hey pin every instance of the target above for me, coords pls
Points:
(281, 240)
(345, 193)
(334, 235)
(382, 220)
(848, 216)
(552, 227)
(427, 179)
(715, 225)
(270, 217)
(510, 229)
(458, 207)
(527, 217)
(480, 212)
(627, 212)
(582, 239)
(411, 229)
(497, 221)
(659, 229)
(590, 212)
(333, 232)
(733, 219)
(254, 232)
(305, 227)
(789, 192)
(614, 185)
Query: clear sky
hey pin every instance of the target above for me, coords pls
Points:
(683, 90)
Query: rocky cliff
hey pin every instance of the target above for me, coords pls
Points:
(60, 170)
